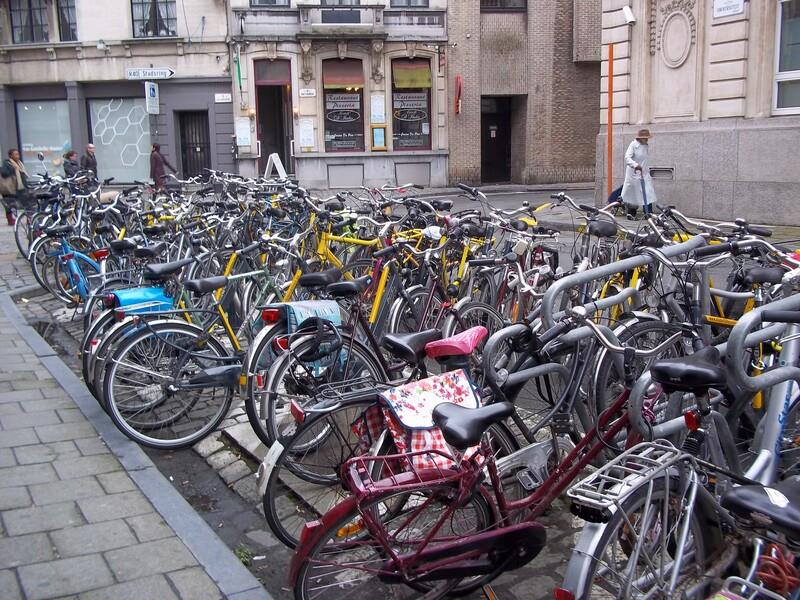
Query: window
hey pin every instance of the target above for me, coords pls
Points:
(411, 104)
(787, 78)
(269, 2)
(515, 5)
(154, 18)
(43, 126)
(410, 3)
(120, 130)
(29, 21)
(343, 81)
(340, 2)
(67, 30)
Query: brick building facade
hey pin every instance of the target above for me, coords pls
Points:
(525, 76)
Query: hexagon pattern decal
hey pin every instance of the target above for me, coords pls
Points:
(121, 133)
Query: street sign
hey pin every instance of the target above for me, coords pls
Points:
(222, 98)
(154, 73)
(151, 97)
(726, 8)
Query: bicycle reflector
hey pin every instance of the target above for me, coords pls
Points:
(109, 300)
(101, 254)
(297, 412)
(271, 315)
(692, 420)
(67, 257)
(281, 343)
(562, 594)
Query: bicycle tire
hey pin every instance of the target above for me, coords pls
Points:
(195, 416)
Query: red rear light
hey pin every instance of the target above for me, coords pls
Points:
(119, 315)
(67, 257)
(692, 420)
(297, 412)
(280, 344)
(109, 300)
(562, 594)
(271, 315)
(101, 254)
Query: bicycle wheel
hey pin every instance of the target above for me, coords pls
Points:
(305, 481)
(151, 386)
(349, 369)
(408, 314)
(347, 562)
(22, 233)
(259, 359)
(91, 339)
(634, 554)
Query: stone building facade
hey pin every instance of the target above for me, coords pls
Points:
(523, 79)
(718, 84)
(74, 72)
(346, 93)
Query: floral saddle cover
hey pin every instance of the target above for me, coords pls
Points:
(406, 411)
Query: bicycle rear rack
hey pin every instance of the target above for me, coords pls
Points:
(616, 480)
(398, 472)
(343, 391)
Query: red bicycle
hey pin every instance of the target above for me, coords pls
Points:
(443, 530)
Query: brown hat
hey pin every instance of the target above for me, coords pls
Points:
(643, 133)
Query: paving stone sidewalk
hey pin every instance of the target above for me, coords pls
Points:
(73, 522)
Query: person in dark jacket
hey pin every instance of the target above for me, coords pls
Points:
(89, 160)
(157, 163)
(71, 165)
(15, 175)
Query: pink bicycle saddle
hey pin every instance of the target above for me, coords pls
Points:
(457, 345)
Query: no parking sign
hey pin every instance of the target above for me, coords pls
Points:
(151, 97)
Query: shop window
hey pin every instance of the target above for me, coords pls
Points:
(67, 27)
(271, 72)
(120, 130)
(510, 5)
(343, 82)
(43, 127)
(411, 104)
(269, 2)
(787, 78)
(410, 3)
(154, 18)
(29, 21)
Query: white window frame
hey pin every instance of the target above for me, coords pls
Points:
(781, 76)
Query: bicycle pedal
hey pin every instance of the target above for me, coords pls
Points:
(528, 480)
(562, 423)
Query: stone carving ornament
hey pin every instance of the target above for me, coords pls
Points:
(677, 32)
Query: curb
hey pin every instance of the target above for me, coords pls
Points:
(230, 575)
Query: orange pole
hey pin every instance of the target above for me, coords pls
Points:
(610, 127)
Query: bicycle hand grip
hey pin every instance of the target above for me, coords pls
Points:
(554, 332)
(363, 211)
(205, 190)
(780, 316)
(587, 208)
(388, 251)
(484, 262)
(762, 231)
(466, 188)
(251, 248)
(418, 186)
(712, 250)
(555, 196)
(130, 190)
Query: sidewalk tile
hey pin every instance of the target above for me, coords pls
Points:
(25, 549)
(18, 437)
(114, 506)
(62, 491)
(27, 475)
(14, 497)
(90, 446)
(66, 431)
(149, 527)
(86, 465)
(63, 577)
(155, 587)
(31, 520)
(114, 483)
(90, 539)
(7, 458)
(195, 584)
(9, 588)
(41, 453)
(34, 419)
(19, 395)
(153, 557)
(47, 404)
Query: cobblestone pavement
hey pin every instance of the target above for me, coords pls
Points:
(73, 521)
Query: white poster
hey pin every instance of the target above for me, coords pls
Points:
(306, 134)
(243, 131)
(726, 8)
(377, 113)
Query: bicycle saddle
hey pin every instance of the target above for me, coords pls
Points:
(463, 427)
(410, 347)
(119, 246)
(150, 251)
(321, 279)
(757, 275)
(775, 507)
(348, 289)
(441, 204)
(104, 228)
(603, 229)
(694, 373)
(156, 271)
(59, 231)
(206, 285)
(154, 229)
(458, 345)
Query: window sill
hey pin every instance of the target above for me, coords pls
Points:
(156, 39)
(380, 154)
(39, 45)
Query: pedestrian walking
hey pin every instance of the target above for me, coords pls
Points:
(13, 178)
(89, 160)
(157, 163)
(638, 187)
(71, 165)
